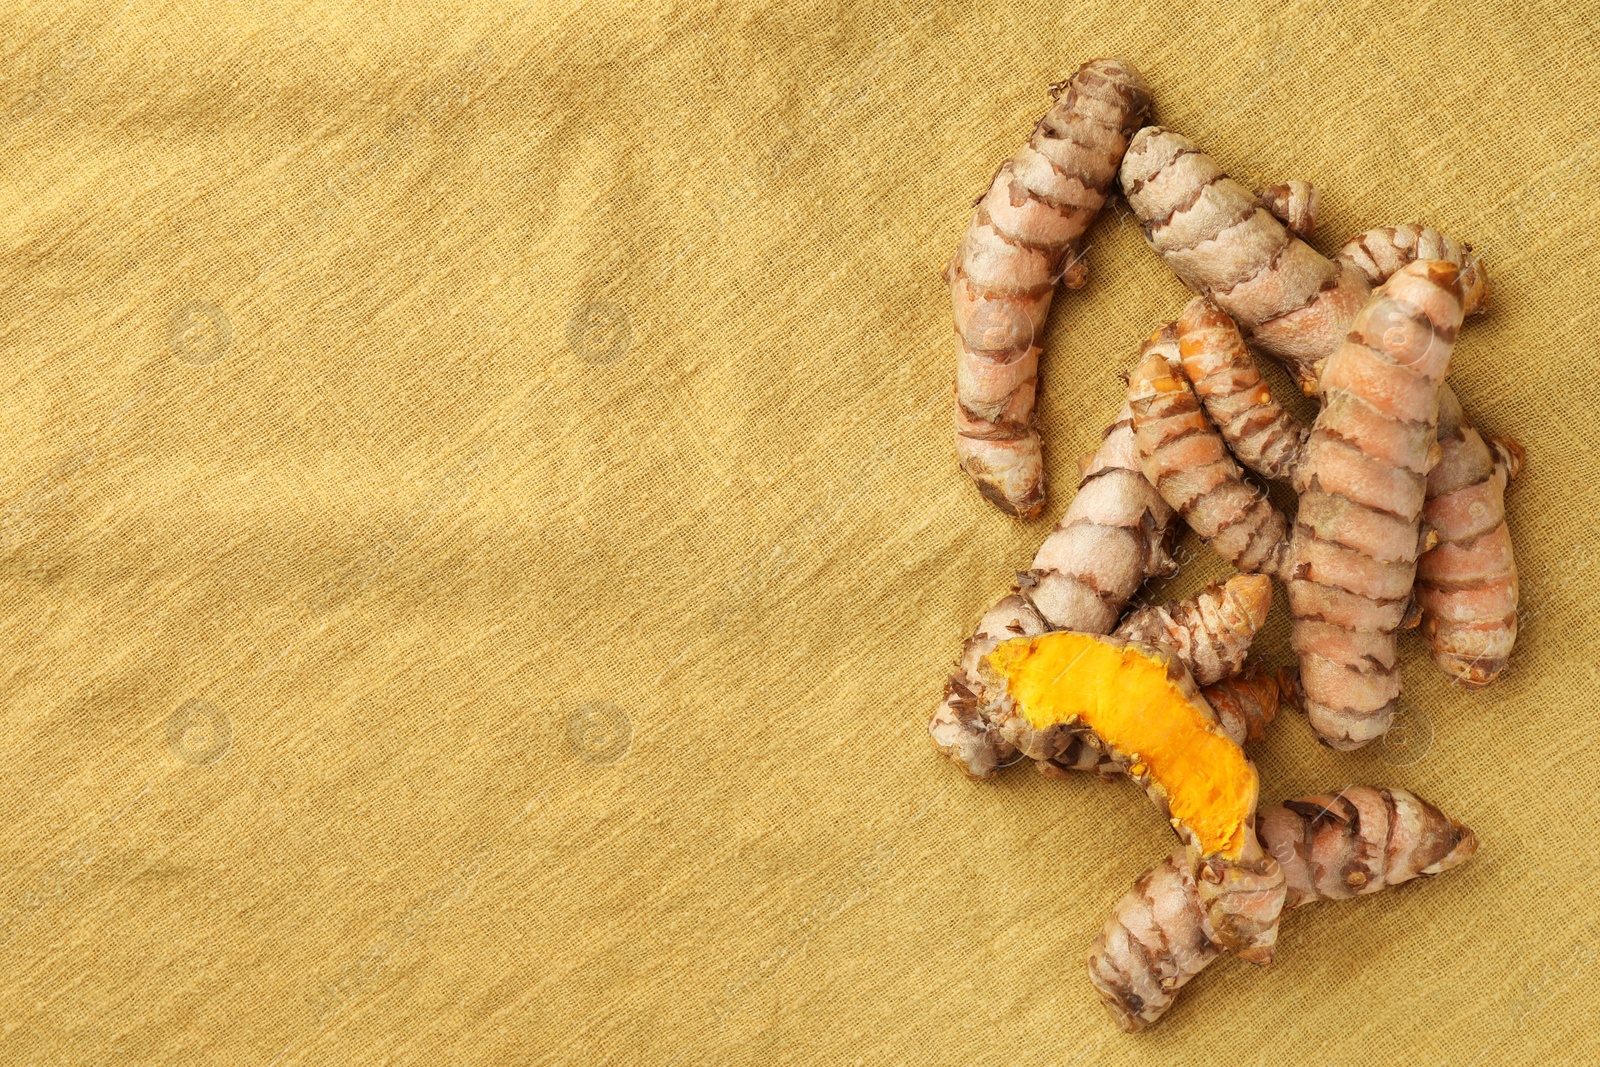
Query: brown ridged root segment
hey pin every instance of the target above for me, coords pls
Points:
(1025, 236)
(1243, 898)
(1327, 847)
(1335, 846)
(1115, 534)
(1209, 632)
(1245, 703)
(1151, 946)
(1380, 252)
(1259, 432)
(1216, 236)
(1362, 480)
(1467, 584)
(1189, 464)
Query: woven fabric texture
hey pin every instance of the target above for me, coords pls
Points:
(480, 538)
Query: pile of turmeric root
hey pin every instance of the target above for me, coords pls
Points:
(1400, 522)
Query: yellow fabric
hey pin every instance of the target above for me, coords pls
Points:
(481, 539)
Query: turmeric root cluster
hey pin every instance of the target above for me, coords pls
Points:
(1400, 520)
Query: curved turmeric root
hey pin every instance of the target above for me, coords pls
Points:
(1259, 432)
(1025, 236)
(1145, 711)
(1467, 583)
(1114, 535)
(1362, 483)
(1210, 634)
(1189, 464)
(1330, 847)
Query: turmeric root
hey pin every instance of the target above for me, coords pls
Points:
(1189, 464)
(1245, 703)
(1143, 710)
(1287, 299)
(1258, 431)
(1362, 483)
(1025, 236)
(1467, 583)
(1210, 632)
(1330, 848)
(1213, 232)
(1335, 846)
(1115, 534)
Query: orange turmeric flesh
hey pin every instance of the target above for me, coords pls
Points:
(1125, 694)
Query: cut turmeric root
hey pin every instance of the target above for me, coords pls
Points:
(1208, 633)
(1330, 847)
(1142, 709)
(1147, 714)
(1025, 236)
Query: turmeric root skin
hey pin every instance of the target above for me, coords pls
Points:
(1245, 703)
(1218, 238)
(1258, 431)
(1380, 252)
(1360, 840)
(1362, 483)
(1024, 237)
(1467, 589)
